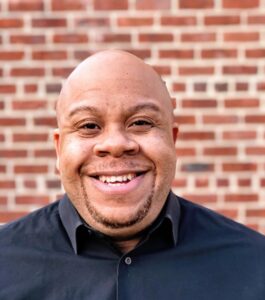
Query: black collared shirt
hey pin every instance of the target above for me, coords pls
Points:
(188, 253)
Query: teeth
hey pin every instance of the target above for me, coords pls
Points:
(117, 179)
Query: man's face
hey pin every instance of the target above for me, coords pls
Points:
(116, 153)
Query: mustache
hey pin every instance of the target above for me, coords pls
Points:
(114, 164)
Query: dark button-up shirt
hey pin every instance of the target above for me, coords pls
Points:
(188, 253)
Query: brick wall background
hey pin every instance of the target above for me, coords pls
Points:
(211, 54)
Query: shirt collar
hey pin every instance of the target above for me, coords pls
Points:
(72, 221)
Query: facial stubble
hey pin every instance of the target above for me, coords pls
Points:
(141, 213)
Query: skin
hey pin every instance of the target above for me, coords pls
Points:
(115, 118)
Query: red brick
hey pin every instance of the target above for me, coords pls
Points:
(194, 70)
(68, 5)
(219, 53)
(244, 182)
(198, 37)
(229, 213)
(162, 70)
(255, 53)
(53, 184)
(185, 119)
(7, 88)
(114, 38)
(28, 199)
(255, 119)
(141, 53)
(92, 22)
(255, 212)
(178, 21)
(222, 182)
(45, 121)
(7, 184)
(239, 70)
(30, 169)
(179, 182)
(49, 55)
(257, 150)
(241, 36)
(185, 151)
(2, 137)
(241, 197)
(201, 182)
(239, 167)
(220, 151)
(30, 184)
(27, 72)
(256, 19)
(11, 153)
(12, 121)
(30, 39)
(242, 86)
(242, 102)
(240, 4)
(82, 54)
(153, 4)
(200, 87)
(196, 135)
(49, 22)
(178, 87)
(30, 88)
(11, 55)
(29, 5)
(28, 104)
(8, 216)
(11, 23)
(198, 103)
(110, 5)
(156, 37)
(70, 38)
(223, 20)
(135, 21)
(48, 153)
(177, 54)
(221, 87)
(30, 137)
(198, 4)
(220, 119)
(239, 135)
(53, 88)
(2, 169)
(3, 201)
(62, 71)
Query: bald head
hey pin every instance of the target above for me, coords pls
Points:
(112, 69)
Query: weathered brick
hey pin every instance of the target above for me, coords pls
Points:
(198, 37)
(220, 151)
(223, 20)
(241, 36)
(196, 135)
(30, 137)
(199, 103)
(178, 20)
(110, 5)
(194, 70)
(68, 5)
(242, 102)
(49, 22)
(198, 4)
(29, 39)
(70, 38)
(11, 22)
(30, 169)
(11, 55)
(49, 55)
(240, 4)
(135, 21)
(239, 167)
(239, 70)
(153, 4)
(20, 6)
(218, 53)
(27, 72)
(177, 54)
(241, 197)
(156, 37)
(220, 119)
(29, 199)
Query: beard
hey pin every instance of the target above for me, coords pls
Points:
(111, 223)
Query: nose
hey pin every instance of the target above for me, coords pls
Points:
(116, 143)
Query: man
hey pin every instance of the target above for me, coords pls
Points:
(119, 232)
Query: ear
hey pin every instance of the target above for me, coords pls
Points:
(56, 140)
(175, 131)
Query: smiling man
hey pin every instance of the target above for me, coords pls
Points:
(119, 232)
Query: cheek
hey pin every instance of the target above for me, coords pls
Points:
(73, 153)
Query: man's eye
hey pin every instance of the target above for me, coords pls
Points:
(141, 125)
(91, 126)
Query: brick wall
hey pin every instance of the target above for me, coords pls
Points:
(211, 54)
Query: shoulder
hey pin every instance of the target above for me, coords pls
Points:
(43, 221)
(201, 223)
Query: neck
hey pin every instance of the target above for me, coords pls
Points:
(126, 245)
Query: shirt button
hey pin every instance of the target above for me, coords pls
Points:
(128, 260)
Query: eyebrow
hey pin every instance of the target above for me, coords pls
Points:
(129, 111)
